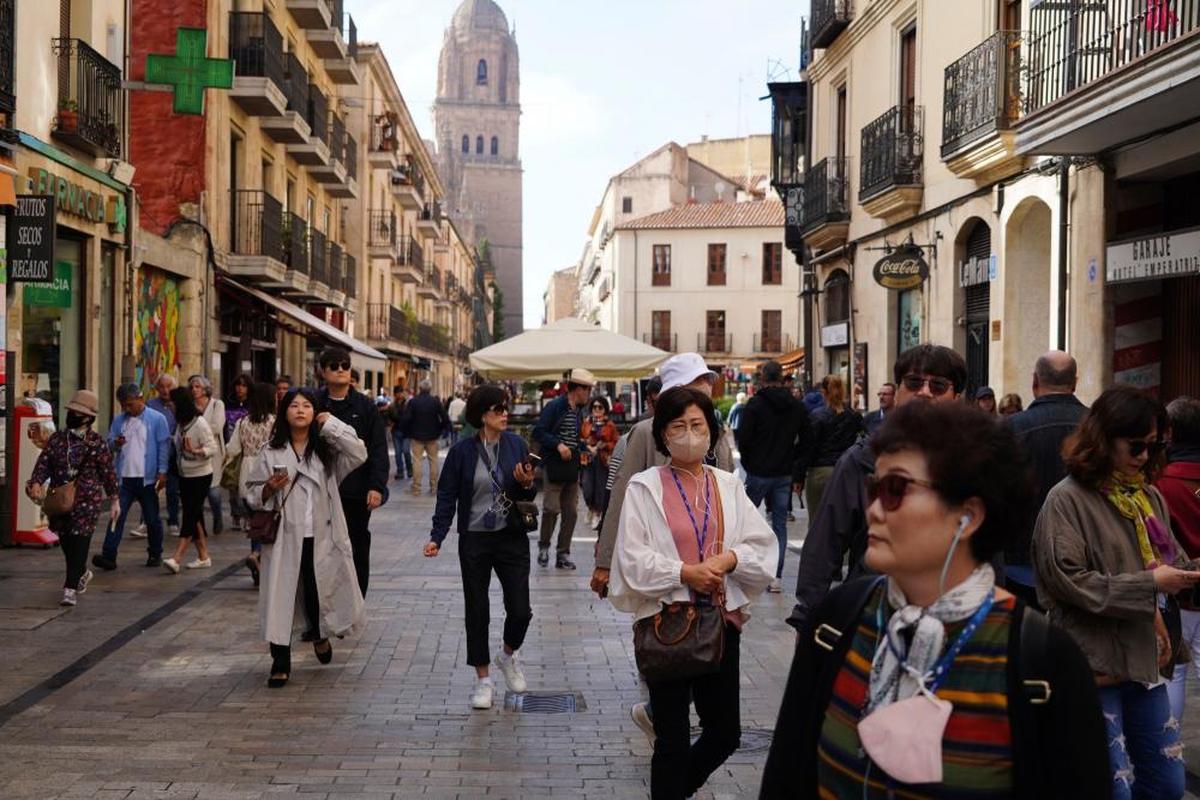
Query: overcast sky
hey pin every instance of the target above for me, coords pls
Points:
(603, 83)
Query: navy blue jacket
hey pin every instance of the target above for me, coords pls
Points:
(545, 431)
(456, 485)
(424, 418)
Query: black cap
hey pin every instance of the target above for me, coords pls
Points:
(985, 391)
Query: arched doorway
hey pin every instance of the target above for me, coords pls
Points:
(1027, 267)
(974, 281)
(835, 332)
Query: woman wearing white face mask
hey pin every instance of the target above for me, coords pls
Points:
(932, 681)
(692, 548)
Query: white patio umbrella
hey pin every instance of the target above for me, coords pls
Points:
(548, 352)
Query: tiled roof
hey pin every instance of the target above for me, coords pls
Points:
(756, 214)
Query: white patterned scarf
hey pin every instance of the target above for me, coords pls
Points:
(893, 680)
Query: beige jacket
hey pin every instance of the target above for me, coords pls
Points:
(1092, 581)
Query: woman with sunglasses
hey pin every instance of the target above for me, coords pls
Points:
(599, 436)
(931, 681)
(1108, 569)
(482, 477)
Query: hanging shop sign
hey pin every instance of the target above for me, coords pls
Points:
(1166, 255)
(189, 71)
(76, 200)
(903, 268)
(30, 239)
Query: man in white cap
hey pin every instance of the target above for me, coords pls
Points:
(557, 432)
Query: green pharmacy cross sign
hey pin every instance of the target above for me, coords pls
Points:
(189, 71)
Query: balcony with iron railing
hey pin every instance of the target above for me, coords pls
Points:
(981, 101)
(384, 149)
(772, 343)
(350, 277)
(714, 342)
(431, 283)
(381, 234)
(91, 102)
(335, 272)
(829, 19)
(826, 210)
(892, 151)
(295, 235)
(318, 254)
(314, 152)
(667, 342)
(341, 52)
(385, 322)
(433, 337)
(291, 127)
(258, 250)
(1101, 74)
(256, 48)
(408, 184)
(429, 221)
(409, 264)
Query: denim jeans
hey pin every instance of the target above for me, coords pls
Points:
(214, 504)
(1143, 742)
(135, 489)
(776, 492)
(403, 455)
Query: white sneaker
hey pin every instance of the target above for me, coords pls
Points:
(139, 532)
(514, 679)
(84, 581)
(641, 717)
(173, 530)
(775, 587)
(199, 563)
(171, 566)
(481, 698)
(68, 598)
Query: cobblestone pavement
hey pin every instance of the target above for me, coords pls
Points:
(154, 686)
(174, 704)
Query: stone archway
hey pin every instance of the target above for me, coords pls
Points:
(1028, 265)
(973, 299)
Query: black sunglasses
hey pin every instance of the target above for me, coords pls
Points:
(336, 365)
(937, 386)
(890, 489)
(499, 408)
(1139, 446)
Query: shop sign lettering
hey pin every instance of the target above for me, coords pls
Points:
(54, 293)
(79, 201)
(903, 268)
(1166, 255)
(30, 239)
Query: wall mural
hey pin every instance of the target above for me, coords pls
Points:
(157, 330)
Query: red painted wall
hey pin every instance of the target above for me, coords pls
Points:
(167, 148)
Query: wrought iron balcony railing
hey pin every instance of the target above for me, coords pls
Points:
(350, 276)
(411, 254)
(829, 19)
(385, 133)
(825, 189)
(771, 343)
(295, 233)
(350, 157)
(295, 85)
(318, 113)
(317, 255)
(668, 342)
(714, 342)
(256, 47)
(433, 277)
(334, 268)
(891, 151)
(982, 92)
(1076, 42)
(381, 229)
(91, 102)
(337, 138)
(257, 224)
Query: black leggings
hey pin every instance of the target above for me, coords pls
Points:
(75, 551)
(281, 654)
(192, 493)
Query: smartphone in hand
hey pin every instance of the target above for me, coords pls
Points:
(533, 460)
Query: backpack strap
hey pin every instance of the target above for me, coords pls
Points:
(1034, 630)
(1030, 696)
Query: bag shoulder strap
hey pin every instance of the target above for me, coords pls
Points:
(1030, 705)
(720, 514)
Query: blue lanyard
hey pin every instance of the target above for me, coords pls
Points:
(942, 668)
(701, 535)
(493, 470)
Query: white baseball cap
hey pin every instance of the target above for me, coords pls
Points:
(683, 369)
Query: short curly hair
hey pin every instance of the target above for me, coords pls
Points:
(670, 406)
(480, 400)
(963, 446)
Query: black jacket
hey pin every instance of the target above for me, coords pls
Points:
(359, 412)
(773, 434)
(1041, 430)
(832, 435)
(425, 418)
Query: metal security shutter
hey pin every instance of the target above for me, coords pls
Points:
(1181, 321)
(977, 310)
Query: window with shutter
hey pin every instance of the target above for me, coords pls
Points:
(716, 265)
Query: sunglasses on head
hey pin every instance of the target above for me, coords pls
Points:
(338, 365)
(937, 386)
(1139, 446)
(890, 489)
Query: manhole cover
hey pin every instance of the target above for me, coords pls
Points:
(544, 702)
(754, 740)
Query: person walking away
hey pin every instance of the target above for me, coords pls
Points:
(236, 408)
(1041, 429)
(653, 390)
(395, 418)
(835, 429)
(1179, 484)
(455, 412)
(161, 403)
(1108, 572)
(557, 434)
(140, 439)
(195, 442)
(599, 435)
(213, 411)
(364, 488)
(735, 411)
(887, 401)
(311, 560)
(77, 454)
(837, 528)
(1011, 404)
(931, 681)
(425, 420)
(484, 476)
(772, 439)
(250, 436)
(689, 534)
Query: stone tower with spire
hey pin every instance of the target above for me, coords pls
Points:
(477, 117)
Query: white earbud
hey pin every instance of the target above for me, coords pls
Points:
(963, 522)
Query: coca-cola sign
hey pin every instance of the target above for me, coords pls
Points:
(903, 268)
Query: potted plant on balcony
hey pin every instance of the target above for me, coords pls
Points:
(68, 116)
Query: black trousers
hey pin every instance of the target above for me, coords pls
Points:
(479, 554)
(281, 654)
(75, 551)
(192, 494)
(679, 768)
(358, 522)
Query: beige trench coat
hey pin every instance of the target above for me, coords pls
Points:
(341, 600)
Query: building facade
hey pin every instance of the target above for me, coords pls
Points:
(477, 119)
(561, 295)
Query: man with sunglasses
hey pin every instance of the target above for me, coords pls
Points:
(364, 489)
(838, 526)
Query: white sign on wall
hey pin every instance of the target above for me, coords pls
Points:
(835, 335)
(1166, 255)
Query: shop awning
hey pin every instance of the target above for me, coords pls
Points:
(792, 360)
(365, 358)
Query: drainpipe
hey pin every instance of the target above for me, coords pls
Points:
(1064, 227)
(635, 286)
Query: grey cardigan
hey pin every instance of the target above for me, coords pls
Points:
(1091, 579)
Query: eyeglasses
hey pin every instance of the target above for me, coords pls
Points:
(1139, 446)
(499, 408)
(937, 386)
(890, 489)
(344, 366)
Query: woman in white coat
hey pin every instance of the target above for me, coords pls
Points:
(299, 471)
(688, 533)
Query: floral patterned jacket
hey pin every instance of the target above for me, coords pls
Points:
(89, 458)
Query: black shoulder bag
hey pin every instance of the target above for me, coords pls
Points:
(522, 515)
